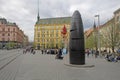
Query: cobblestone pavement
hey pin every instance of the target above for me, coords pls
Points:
(9, 63)
(46, 67)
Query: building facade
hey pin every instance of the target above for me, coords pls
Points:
(109, 34)
(117, 23)
(117, 17)
(25, 41)
(47, 32)
(11, 36)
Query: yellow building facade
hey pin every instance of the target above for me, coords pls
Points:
(47, 32)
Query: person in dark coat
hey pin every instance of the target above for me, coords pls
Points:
(59, 55)
(42, 51)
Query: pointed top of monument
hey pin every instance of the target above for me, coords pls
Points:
(76, 14)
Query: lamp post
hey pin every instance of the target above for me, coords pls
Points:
(98, 33)
(8, 44)
(95, 36)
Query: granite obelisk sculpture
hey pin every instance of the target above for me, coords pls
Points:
(76, 41)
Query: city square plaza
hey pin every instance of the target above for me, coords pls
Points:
(46, 67)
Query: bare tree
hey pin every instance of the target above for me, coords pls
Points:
(111, 36)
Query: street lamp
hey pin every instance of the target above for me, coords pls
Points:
(98, 33)
(95, 36)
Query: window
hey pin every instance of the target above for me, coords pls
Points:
(8, 34)
(38, 40)
(118, 18)
(8, 29)
(3, 34)
(8, 39)
(38, 35)
(13, 29)
(3, 29)
(13, 39)
(47, 32)
(3, 39)
(56, 33)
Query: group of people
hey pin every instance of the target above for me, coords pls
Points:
(57, 52)
(49, 51)
(29, 49)
(60, 52)
(92, 52)
(109, 56)
(112, 58)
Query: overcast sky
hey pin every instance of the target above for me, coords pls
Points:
(24, 12)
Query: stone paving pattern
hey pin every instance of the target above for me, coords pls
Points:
(46, 67)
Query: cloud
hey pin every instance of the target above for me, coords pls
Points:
(24, 12)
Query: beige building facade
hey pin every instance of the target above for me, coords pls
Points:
(109, 34)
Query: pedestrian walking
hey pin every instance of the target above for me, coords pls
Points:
(59, 55)
(34, 52)
(42, 51)
(96, 54)
(88, 53)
